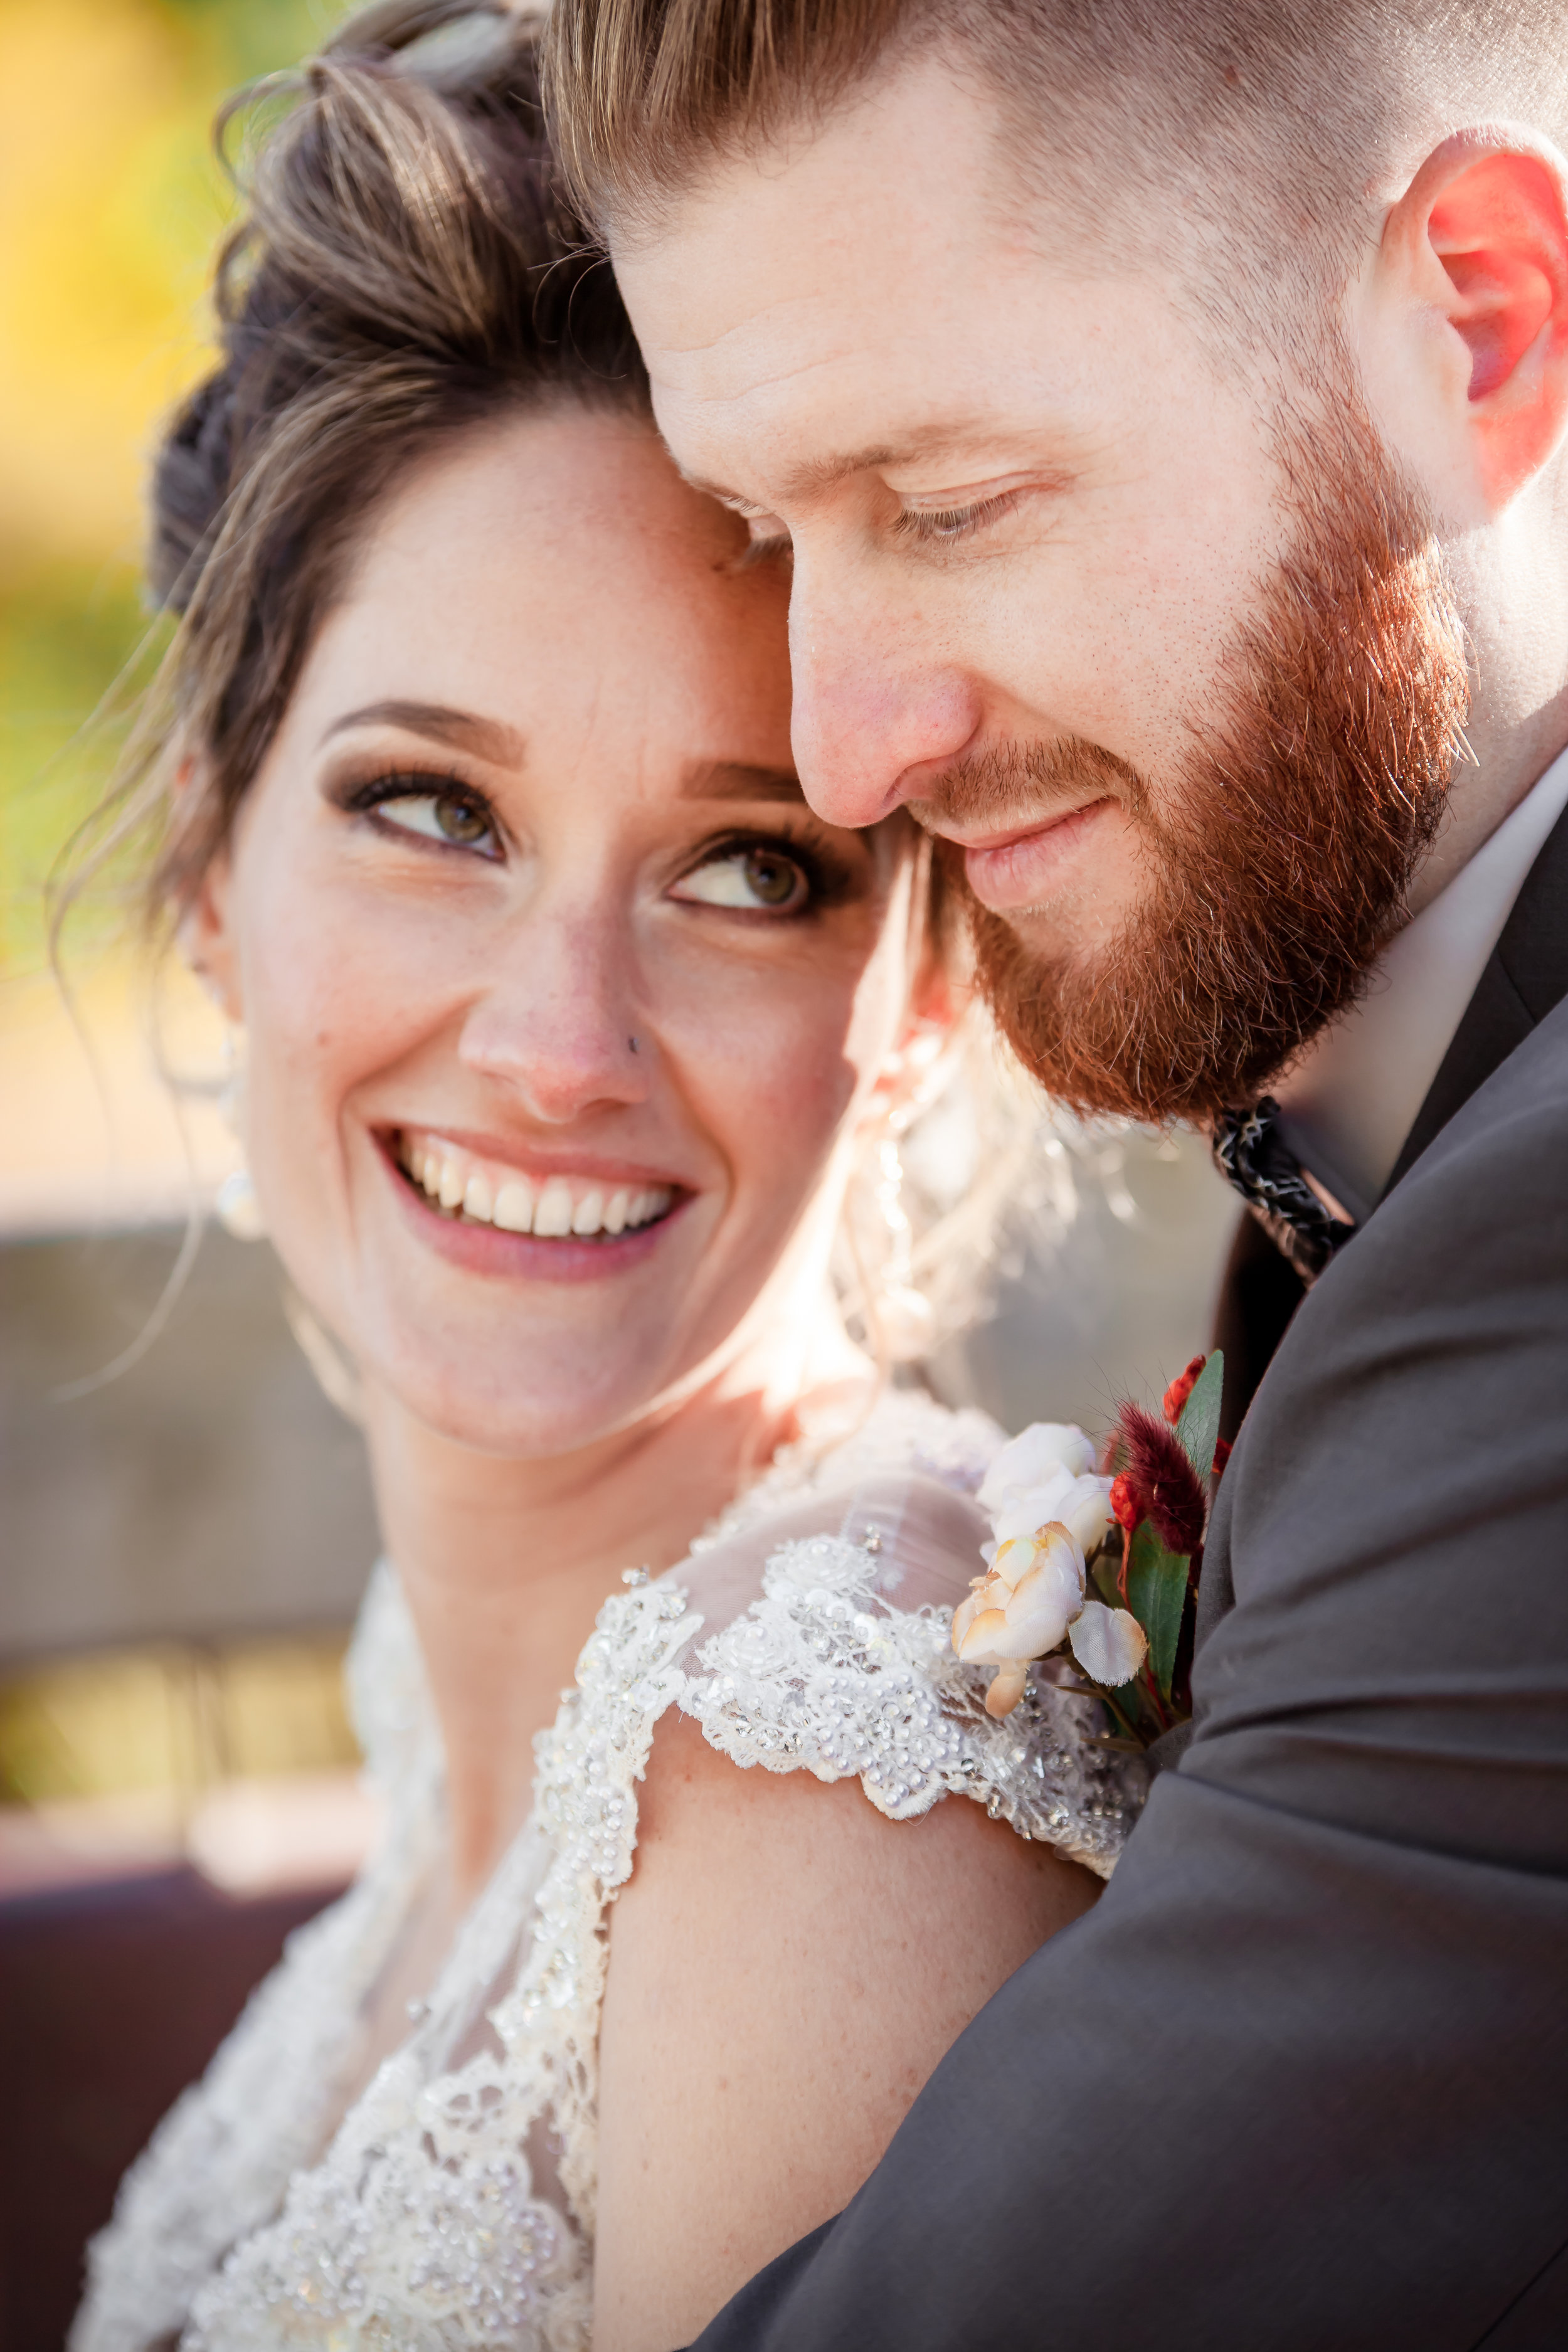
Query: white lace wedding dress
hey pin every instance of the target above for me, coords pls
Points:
(452, 2209)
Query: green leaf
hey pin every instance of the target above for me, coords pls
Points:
(1198, 1427)
(1157, 1594)
(1103, 1577)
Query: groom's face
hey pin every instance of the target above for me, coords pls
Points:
(1023, 506)
(1031, 517)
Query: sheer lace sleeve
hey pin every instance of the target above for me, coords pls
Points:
(834, 1656)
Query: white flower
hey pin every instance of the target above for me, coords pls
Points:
(1020, 1608)
(1028, 1461)
(1110, 1645)
(1081, 1505)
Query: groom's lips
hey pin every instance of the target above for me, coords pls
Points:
(1009, 871)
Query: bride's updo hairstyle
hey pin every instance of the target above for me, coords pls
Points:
(404, 271)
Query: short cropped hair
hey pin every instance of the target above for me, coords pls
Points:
(1246, 140)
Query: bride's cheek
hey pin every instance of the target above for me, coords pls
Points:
(334, 1000)
(786, 1050)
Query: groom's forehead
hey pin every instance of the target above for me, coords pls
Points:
(890, 197)
(816, 393)
(870, 301)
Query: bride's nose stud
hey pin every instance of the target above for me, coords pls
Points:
(561, 1207)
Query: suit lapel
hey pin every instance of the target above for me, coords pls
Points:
(1525, 976)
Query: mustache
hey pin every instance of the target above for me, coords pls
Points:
(1029, 781)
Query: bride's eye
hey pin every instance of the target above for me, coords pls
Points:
(760, 881)
(454, 819)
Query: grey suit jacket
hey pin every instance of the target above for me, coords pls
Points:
(1299, 2082)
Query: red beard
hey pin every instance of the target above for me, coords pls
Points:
(1299, 824)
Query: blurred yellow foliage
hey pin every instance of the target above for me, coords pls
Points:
(111, 203)
(173, 1715)
(108, 207)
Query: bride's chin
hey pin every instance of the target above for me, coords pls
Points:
(511, 1414)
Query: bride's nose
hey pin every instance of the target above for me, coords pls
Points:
(558, 1021)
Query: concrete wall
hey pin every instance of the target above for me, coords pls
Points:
(210, 1490)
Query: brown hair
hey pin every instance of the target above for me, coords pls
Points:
(405, 270)
(1245, 141)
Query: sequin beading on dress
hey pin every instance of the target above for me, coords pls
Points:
(823, 1673)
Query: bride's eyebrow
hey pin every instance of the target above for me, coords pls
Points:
(461, 730)
(732, 780)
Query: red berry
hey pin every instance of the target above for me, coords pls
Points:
(1181, 1388)
(1127, 1503)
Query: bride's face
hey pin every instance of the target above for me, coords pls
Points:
(559, 1002)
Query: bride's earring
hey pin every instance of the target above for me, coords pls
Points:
(902, 1311)
(236, 1207)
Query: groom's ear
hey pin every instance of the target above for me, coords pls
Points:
(1464, 325)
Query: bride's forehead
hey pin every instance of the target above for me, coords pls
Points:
(556, 486)
(544, 572)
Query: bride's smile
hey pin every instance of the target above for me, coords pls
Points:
(474, 1184)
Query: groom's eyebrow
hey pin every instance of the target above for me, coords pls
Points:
(814, 475)
(817, 474)
(732, 780)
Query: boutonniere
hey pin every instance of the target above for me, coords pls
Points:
(1100, 1568)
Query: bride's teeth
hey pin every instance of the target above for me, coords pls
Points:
(553, 1217)
(556, 1209)
(589, 1213)
(514, 1207)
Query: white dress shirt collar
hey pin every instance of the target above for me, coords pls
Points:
(1351, 1099)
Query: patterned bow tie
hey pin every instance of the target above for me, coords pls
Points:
(1254, 1156)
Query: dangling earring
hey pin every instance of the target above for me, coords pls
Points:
(237, 1210)
(902, 1312)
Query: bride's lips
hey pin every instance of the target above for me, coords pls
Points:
(1019, 869)
(571, 1221)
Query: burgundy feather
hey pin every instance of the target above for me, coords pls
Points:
(1157, 1464)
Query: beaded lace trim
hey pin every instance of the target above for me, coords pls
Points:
(822, 1674)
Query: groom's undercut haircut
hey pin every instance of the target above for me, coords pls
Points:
(1246, 143)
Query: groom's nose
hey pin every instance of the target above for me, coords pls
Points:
(880, 710)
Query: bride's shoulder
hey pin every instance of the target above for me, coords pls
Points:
(825, 1643)
(787, 1960)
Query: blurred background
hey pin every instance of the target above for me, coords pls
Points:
(185, 1520)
